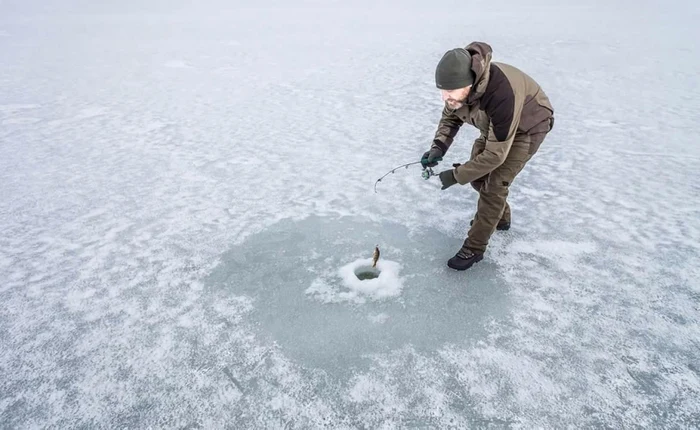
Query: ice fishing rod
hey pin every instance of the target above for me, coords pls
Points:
(426, 174)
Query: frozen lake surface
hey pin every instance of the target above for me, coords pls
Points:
(185, 190)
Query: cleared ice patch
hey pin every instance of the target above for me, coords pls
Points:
(291, 273)
(378, 319)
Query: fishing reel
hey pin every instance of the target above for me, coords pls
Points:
(427, 173)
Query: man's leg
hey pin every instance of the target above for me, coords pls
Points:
(493, 192)
(504, 223)
(535, 140)
(492, 206)
(478, 148)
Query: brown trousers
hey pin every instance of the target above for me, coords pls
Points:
(493, 188)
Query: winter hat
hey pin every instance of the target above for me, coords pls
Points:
(454, 70)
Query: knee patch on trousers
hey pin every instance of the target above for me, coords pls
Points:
(496, 187)
(479, 183)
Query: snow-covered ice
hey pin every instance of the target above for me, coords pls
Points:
(182, 184)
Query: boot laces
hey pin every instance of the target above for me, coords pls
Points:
(465, 254)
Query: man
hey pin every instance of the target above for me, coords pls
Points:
(513, 115)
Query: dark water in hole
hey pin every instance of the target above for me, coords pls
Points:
(365, 273)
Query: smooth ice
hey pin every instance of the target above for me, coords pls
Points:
(183, 188)
(311, 307)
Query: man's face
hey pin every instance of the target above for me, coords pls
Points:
(455, 99)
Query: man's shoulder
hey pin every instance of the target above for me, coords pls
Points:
(502, 64)
(499, 87)
(511, 73)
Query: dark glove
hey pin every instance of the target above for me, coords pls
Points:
(431, 157)
(447, 178)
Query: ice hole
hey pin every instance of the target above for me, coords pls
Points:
(367, 272)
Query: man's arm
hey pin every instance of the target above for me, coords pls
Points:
(447, 129)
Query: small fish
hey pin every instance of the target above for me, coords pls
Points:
(375, 256)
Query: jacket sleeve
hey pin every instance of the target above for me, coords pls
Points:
(504, 112)
(447, 129)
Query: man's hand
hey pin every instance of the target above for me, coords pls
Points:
(447, 178)
(431, 157)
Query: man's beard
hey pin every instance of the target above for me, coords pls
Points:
(455, 104)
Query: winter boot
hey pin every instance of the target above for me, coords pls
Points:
(502, 225)
(464, 259)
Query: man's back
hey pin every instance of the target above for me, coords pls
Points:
(536, 107)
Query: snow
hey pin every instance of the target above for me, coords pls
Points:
(182, 185)
(387, 284)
